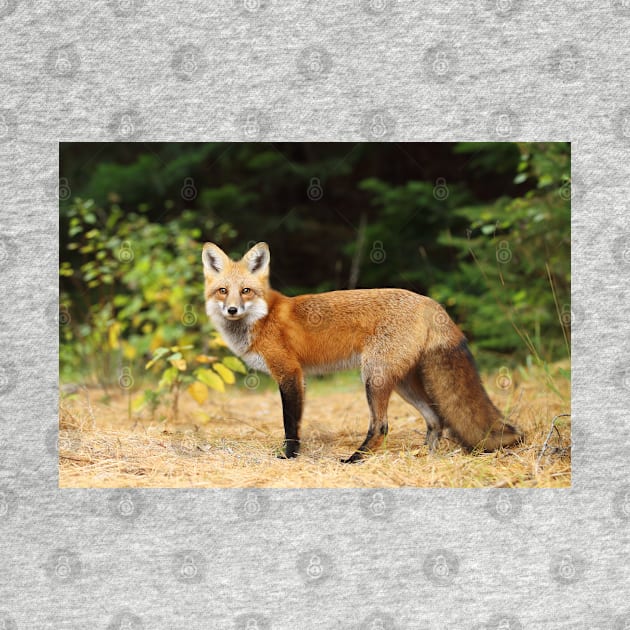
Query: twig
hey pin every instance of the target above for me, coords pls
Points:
(553, 426)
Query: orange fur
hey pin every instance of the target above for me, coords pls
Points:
(401, 341)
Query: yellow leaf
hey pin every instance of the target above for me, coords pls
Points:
(180, 364)
(114, 332)
(130, 352)
(211, 379)
(218, 342)
(198, 391)
(226, 374)
(203, 358)
(138, 402)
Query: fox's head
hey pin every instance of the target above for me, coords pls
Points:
(236, 289)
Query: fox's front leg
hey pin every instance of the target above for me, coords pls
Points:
(292, 394)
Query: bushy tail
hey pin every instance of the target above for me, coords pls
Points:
(452, 383)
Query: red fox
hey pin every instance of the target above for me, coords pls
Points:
(400, 340)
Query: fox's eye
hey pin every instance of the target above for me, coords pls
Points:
(245, 290)
(222, 290)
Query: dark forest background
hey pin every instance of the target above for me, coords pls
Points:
(484, 228)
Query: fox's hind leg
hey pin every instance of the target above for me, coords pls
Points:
(378, 390)
(412, 390)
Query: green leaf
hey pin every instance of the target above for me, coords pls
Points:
(235, 364)
(211, 379)
(168, 377)
(157, 355)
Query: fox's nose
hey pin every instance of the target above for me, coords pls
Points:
(232, 310)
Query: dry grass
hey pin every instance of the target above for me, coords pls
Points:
(230, 443)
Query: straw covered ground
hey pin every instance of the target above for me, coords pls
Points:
(231, 440)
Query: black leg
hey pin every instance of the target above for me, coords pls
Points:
(292, 394)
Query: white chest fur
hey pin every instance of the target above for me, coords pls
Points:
(237, 335)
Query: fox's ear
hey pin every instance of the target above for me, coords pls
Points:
(257, 258)
(214, 258)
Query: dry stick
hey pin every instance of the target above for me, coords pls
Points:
(553, 426)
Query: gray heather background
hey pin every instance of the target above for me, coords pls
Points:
(335, 71)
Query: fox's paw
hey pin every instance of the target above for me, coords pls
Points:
(354, 458)
(287, 455)
(291, 449)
